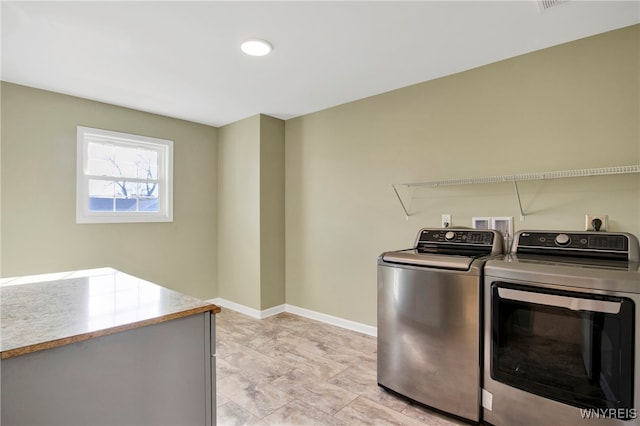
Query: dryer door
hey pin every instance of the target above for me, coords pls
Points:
(575, 348)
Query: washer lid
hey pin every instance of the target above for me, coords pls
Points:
(413, 257)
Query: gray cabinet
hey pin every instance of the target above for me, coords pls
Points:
(160, 374)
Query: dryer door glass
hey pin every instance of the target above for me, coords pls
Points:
(571, 347)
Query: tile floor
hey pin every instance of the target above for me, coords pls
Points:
(289, 370)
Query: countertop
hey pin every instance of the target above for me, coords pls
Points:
(45, 311)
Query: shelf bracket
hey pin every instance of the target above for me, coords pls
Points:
(515, 186)
(404, 208)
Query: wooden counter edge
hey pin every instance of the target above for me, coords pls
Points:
(214, 309)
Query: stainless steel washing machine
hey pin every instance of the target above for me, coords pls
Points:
(429, 318)
(562, 331)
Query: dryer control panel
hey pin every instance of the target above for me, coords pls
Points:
(622, 246)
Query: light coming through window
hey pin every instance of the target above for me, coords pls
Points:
(123, 178)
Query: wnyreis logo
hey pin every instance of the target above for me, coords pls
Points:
(609, 413)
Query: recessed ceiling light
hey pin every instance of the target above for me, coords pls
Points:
(255, 47)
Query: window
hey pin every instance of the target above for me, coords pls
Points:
(123, 178)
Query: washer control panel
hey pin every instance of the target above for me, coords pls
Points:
(456, 236)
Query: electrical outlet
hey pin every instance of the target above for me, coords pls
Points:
(591, 222)
(446, 220)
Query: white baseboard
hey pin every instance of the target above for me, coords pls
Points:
(330, 319)
(254, 313)
(307, 313)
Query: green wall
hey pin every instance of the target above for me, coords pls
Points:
(239, 214)
(39, 233)
(272, 220)
(251, 219)
(572, 106)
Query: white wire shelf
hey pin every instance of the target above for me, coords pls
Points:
(515, 178)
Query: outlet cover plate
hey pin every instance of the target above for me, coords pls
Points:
(588, 226)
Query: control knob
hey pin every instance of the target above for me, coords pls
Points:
(449, 235)
(562, 239)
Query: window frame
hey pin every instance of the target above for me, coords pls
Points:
(164, 148)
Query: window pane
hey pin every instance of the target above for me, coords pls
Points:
(100, 188)
(148, 196)
(100, 167)
(126, 196)
(100, 195)
(126, 204)
(148, 190)
(125, 189)
(100, 159)
(147, 164)
(98, 204)
(125, 161)
(99, 150)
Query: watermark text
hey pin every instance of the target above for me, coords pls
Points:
(609, 413)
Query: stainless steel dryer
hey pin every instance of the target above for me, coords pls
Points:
(562, 331)
(429, 318)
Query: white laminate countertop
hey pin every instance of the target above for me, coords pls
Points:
(45, 311)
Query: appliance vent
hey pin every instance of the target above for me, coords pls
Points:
(547, 4)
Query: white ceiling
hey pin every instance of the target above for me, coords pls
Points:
(182, 59)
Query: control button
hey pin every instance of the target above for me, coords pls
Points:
(562, 239)
(449, 235)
